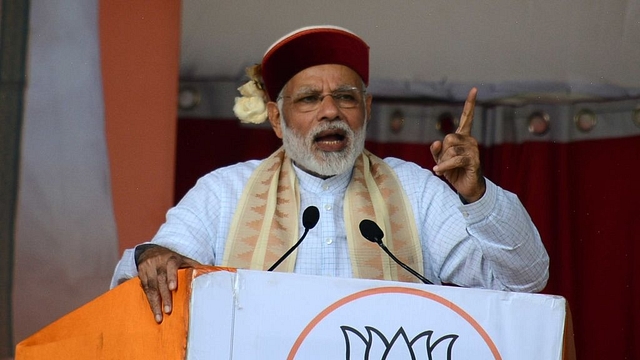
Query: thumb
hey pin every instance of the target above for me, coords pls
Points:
(187, 262)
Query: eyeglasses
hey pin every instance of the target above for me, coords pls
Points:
(347, 98)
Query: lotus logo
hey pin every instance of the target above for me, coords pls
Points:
(376, 332)
(374, 345)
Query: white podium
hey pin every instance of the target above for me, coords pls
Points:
(242, 314)
(259, 315)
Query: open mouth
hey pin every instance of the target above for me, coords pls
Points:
(331, 140)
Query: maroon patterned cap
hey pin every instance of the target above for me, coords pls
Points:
(311, 46)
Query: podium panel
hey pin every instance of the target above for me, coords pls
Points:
(252, 314)
(242, 314)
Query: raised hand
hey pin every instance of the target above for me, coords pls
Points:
(457, 157)
(158, 273)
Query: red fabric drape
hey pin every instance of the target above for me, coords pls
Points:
(583, 198)
(581, 195)
(205, 145)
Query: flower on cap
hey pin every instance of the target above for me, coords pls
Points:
(252, 106)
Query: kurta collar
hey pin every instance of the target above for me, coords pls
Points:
(334, 184)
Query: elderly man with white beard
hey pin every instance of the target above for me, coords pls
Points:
(311, 85)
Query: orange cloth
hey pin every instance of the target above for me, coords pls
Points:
(117, 325)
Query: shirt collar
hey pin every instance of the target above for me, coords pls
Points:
(335, 184)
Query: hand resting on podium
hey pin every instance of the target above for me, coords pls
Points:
(158, 272)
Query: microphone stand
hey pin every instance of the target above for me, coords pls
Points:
(404, 266)
(289, 251)
(310, 218)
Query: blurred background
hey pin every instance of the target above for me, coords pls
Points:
(111, 110)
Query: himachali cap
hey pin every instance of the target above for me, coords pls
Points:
(311, 46)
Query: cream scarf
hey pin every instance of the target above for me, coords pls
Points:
(265, 224)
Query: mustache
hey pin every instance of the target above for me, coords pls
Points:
(332, 126)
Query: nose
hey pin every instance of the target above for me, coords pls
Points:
(328, 109)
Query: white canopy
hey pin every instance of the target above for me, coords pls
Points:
(564, 49)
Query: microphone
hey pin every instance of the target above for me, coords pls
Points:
(310, 218)
(372, 232)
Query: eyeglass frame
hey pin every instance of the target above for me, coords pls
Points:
(320, 98)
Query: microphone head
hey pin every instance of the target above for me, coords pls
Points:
(371, 231)
(310, 217)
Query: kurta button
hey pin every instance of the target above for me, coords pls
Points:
(327, 207)
(329, 241)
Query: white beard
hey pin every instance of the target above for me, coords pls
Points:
(324, 163)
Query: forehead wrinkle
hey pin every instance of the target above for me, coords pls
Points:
(305, 89)
(312, 89)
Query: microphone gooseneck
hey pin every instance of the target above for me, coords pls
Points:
(310, 218)
(372, 232)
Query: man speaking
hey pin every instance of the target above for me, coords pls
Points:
(312, 87)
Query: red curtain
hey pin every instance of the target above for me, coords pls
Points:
(583, 196)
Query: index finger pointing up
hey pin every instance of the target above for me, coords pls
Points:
(466, 120)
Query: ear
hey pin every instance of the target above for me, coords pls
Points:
(274, 118)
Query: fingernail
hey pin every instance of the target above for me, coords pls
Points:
(167, 309)
(172, 285)
(158, 318)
